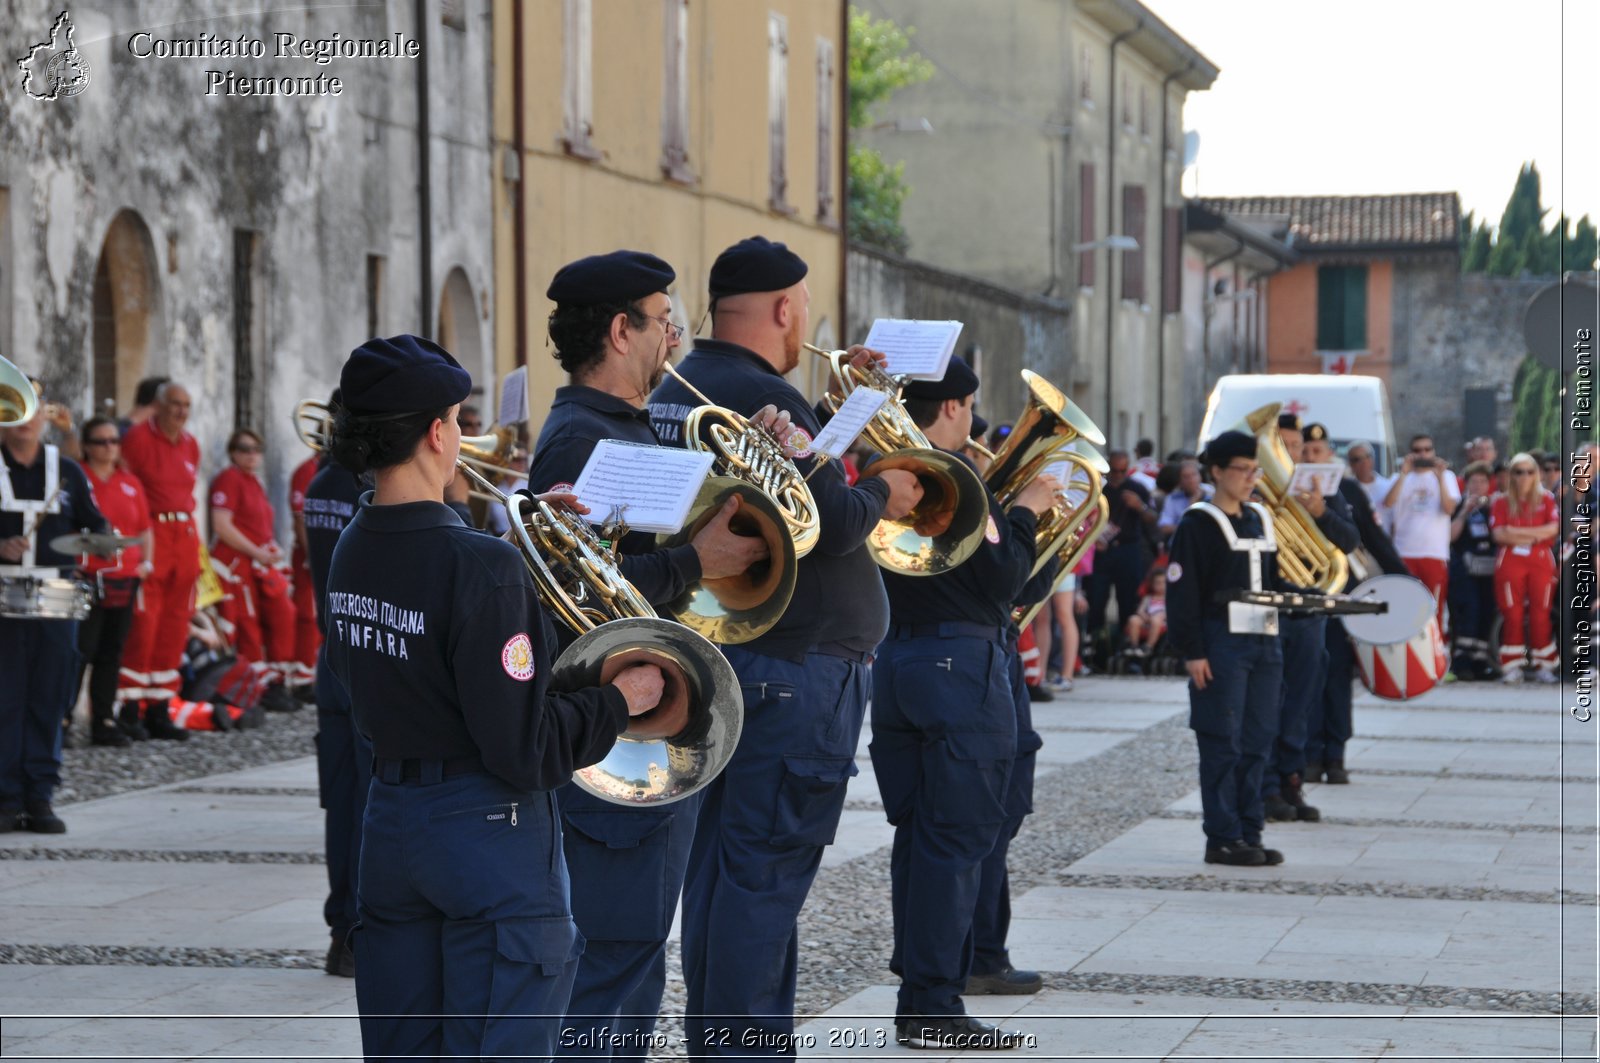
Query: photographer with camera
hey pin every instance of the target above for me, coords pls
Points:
(1423, 498)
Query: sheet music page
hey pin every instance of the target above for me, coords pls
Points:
(655, 485)
(918, 349)
(513, 397)
(854, 413)
(1323, 478)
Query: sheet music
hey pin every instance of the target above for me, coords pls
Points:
(1322, 479)
(655, 485)
(854, 413)
(918, 349)
(513, 397)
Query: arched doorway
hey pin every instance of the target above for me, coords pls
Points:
(460, 331)
(127, 311)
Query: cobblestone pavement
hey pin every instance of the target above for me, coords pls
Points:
(1444, 907)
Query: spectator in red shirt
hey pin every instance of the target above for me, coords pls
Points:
(307, 638)
(258, 604)
(166, 461)
(1523, 523)
(102, 637)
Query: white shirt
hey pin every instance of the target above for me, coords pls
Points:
(1376, 491)
(1421, 527)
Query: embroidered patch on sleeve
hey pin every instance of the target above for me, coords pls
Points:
(1174, 572)
(517, 657)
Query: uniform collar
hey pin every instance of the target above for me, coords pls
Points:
(600, 402)
(408, 516)
(724, 349)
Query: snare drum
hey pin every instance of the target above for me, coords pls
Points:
(44, 598)
(1401, 653)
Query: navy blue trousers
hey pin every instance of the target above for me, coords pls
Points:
(757, 846)
(344, 774)
(1332, 716)
(944, 735)
(991, 920)
(1305, 672)
(1233, 720)
(627, 867)
(38, 684)
(467, 946)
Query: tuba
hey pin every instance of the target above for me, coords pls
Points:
(18, 401)
(682, 744)
(1051, 429)
(1305, 556)
(948, 524)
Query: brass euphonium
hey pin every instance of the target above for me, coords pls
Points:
(1305, 556)
(674, 749)
(1050, 429)
(18, 401)
(775, 505)
(948, 524)
(1078, 544)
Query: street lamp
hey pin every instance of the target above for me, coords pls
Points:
(1109, 243)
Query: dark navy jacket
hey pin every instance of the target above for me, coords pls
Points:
(981, 590)
(436, 634)
(839, 600)
(1373, 537)
(77, 512)
(1203, 566)
(580, 418)
(331, 501)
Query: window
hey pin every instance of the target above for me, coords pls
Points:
(577, 89)
(675, 94)
(778, 110)
(1122, 95)
(1172, 260)
(1342, 308)
(1133, 225)
(374, 295)
(825, 82)
(1085, 75)
(1086, 224)
(1144, 111)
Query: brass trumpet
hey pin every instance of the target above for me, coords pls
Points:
(19, 403)
(948, 524)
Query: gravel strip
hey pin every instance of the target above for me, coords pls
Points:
(1213, 884)
(1421, 706)
(250, 791)
(158, 956)
(1476, 776)
(1474, 740)
(100, 771)
(164, 856)
(1420, 824)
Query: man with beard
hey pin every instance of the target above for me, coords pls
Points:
(767, 817)
(613, 331)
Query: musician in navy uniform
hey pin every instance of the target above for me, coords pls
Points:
(1231, 650)
(42, 495)
(344, 758)
(767, 817)
(467, 942)
(1305, 653)
(944, 738)
(612, 329)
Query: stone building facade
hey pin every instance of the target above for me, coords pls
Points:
(162, 222)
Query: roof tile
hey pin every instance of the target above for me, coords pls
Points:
(1419, 219)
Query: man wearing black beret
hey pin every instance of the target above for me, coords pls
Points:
(613, 331)
(767, 817)
(953, 746)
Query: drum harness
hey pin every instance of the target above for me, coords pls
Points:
(33, 509)
(1243, 617)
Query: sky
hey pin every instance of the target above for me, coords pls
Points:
(1390, 96)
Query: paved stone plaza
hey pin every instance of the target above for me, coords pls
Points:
(1445, 907)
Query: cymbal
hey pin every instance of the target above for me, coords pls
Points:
(99, 543)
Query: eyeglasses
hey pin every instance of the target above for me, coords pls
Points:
(104, 441)
(1251, 472)
(674, 331)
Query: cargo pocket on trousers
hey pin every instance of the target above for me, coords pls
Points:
(810, 799)
(546, 944)
(621, 858)
(966, 776)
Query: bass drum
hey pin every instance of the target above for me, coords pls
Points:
(1400, 654)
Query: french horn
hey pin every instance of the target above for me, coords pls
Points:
(946, 527)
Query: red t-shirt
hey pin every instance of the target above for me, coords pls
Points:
(299, 482)
(122, 501)
(242, 495)
(1543, 511)
(166, 470)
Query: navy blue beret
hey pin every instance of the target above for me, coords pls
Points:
(1227, 446)
(402, 374)
(959, 381)
(1315, 433)
(755, 265)
(619, 277)
(979, 427)
(1289, 420)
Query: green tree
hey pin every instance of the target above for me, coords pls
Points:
(1521, 244)
(1531, 396)
(1581, 251)
(881, 62)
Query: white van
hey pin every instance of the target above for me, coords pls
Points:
(1351, 407)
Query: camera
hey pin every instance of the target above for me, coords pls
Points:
(1422, 463)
